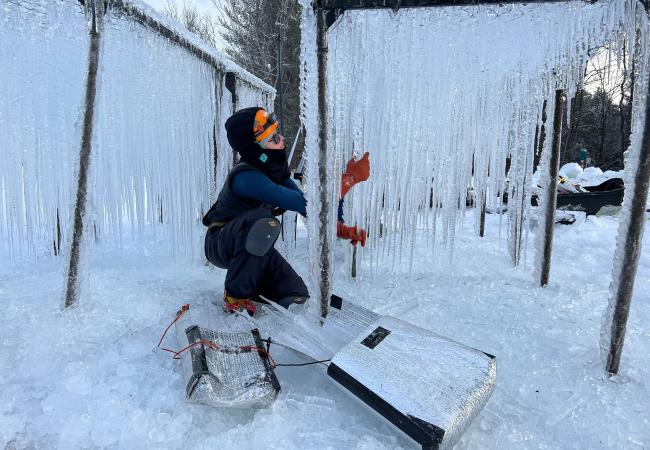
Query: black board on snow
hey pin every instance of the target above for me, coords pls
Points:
(426, 385)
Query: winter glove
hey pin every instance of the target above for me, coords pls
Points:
(351, 233)
(355, 172)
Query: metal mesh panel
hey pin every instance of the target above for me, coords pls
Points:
(230, 376)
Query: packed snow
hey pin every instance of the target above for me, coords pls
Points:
(91, 377)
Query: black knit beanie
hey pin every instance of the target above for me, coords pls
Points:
(239, 128)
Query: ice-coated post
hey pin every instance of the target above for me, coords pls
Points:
(482, 226)
(280, 85)
(231, 85)
(73, 280)
(218, 86)
(542, 138)
(551, 190)
(624, 272)
(325, 284)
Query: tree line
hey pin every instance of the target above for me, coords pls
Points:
(263, 36)
(601, 111)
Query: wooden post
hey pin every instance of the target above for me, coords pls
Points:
(624, 271)
(325, 286)
(73, 281)
(551, 191)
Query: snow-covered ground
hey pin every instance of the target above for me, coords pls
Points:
(92, 378)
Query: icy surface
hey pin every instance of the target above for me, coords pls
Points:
(92, 377)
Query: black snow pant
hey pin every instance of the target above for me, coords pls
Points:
(248, 276)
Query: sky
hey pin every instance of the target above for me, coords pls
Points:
(204, 5)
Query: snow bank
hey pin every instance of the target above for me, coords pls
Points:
(590, 176)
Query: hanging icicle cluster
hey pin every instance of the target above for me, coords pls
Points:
(43, 55)
(442, 97)
(159, 150)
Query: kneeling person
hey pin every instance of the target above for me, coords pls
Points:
(241, 225)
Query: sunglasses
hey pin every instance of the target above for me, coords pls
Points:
(275, 137)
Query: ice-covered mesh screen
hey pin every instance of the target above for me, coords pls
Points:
(154, 133)
(43, 64)
(236, 378)
(248, 96)
(159, 151)
(441, 97)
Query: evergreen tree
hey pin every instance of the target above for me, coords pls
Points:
(256, 32)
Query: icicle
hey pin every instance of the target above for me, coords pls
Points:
(429, 121)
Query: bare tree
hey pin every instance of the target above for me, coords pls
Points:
(600, 111)
(201, 24)
(257, 32)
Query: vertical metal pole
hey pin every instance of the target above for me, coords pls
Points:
(482, 227)
(625, 272)
(325, 286)
(231, 85)
(280, 85)
(73, 282)
(542, 138)
(551, 191)
(218, 86)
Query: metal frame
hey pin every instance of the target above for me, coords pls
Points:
(327, 11)
(95, 10)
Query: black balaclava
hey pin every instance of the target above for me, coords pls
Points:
(239, 128)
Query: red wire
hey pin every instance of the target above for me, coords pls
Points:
(177, 354)
(207, 342)
(184, 308)
(260, 350)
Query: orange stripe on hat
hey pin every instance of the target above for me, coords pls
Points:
(260, 128)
